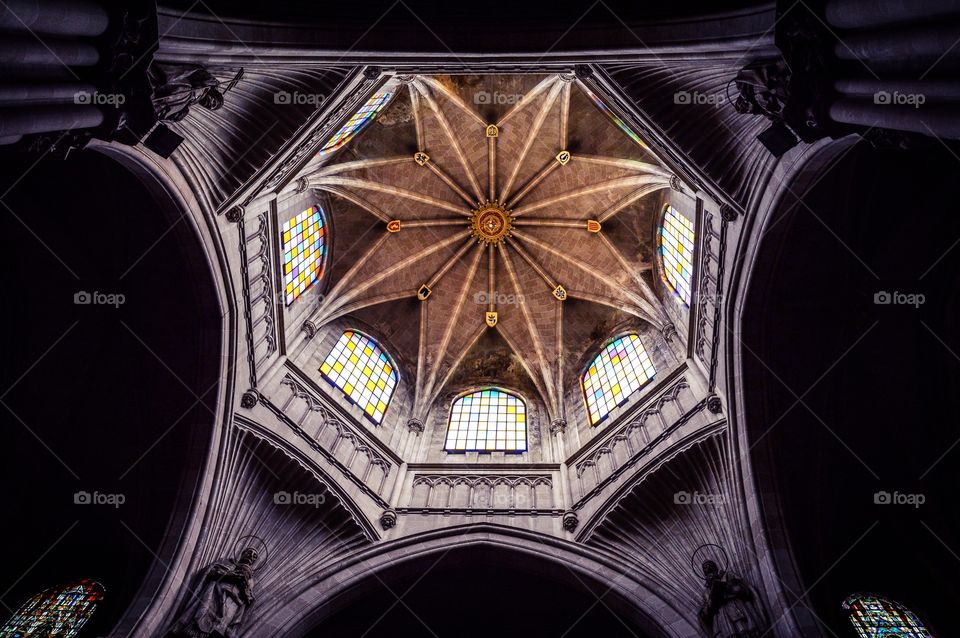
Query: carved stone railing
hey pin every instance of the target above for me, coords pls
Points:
(710, 295)
(622, 448)
(342, 443)
(483, 493)
(258, 294)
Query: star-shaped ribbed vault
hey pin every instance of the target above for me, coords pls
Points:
(496, 208)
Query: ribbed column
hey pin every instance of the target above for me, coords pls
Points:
(43, 93)
(941, 121)
(25, 51)
(932, 90)
(54, 17)
(39, 119)
(901, 45)
(859, 14)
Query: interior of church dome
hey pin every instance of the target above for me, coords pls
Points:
(605, 319)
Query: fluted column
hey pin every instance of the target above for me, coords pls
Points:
(54, 17)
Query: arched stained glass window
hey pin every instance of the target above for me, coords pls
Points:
(621, 368)
(489, 420)
(877, 617)
(304, 247)
(58, 611)
(364, 372)
(676, 251)
(367, 113)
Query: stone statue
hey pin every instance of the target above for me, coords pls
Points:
(225, 592)
(177, 88)
(729, 608)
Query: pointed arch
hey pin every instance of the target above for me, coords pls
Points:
(620, 369)
(487, 420)
(365, 373)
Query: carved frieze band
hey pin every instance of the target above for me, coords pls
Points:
(339, 441)
(482, 493)
(630, 442)
(258, 294)
(710, 295)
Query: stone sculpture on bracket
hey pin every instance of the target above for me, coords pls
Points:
(730, 609)
(216, 608)
(177, 88)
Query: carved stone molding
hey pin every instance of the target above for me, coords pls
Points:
(259, 293)
(343, 443)
(468, 493)
(627, 444)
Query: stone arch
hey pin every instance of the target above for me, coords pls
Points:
(328, 590)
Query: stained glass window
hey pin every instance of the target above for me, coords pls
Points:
(304, 245)
(621, 368)
(367, 113)
(364, 372)
(876, 617)
(488, 420)
(58, 611)
(616, 120)
(676, 251)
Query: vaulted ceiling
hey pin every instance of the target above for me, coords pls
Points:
(440, 220)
